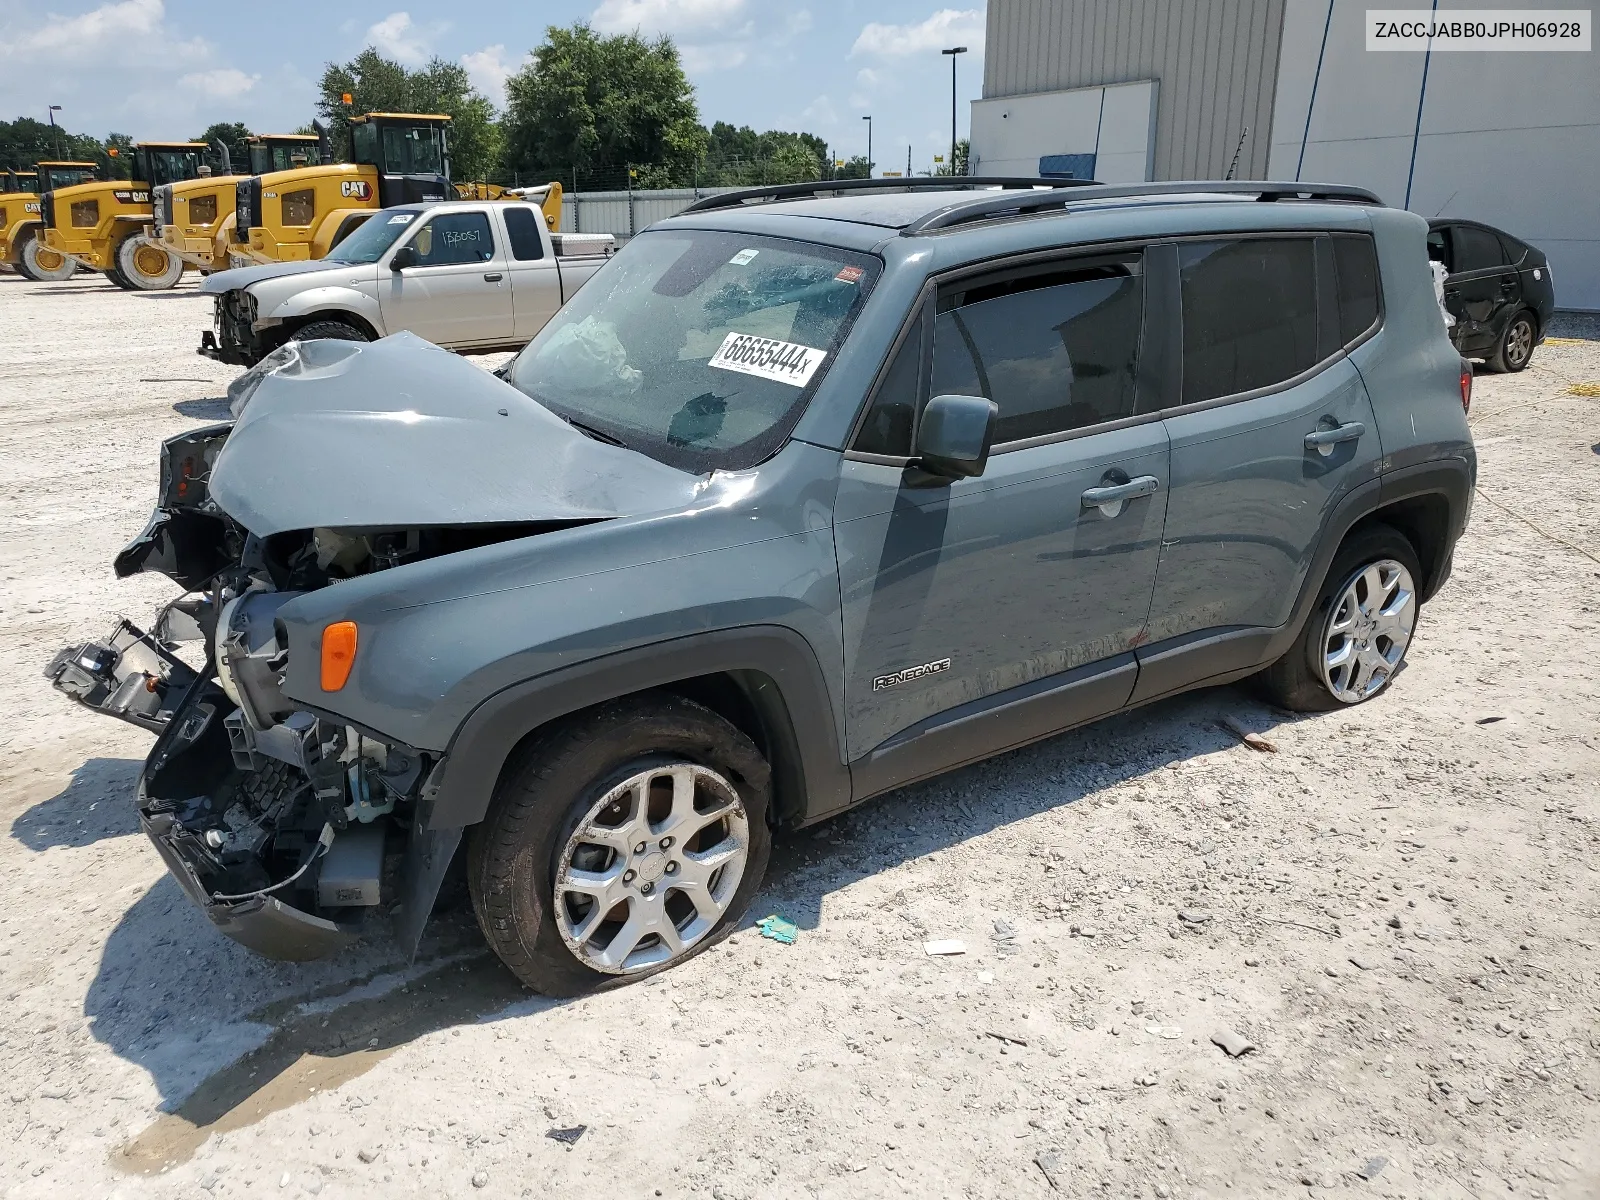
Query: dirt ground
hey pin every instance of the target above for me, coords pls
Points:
(1400, 908)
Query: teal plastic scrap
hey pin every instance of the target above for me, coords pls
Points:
(778, 929)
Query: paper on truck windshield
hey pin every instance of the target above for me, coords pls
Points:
(768, 358)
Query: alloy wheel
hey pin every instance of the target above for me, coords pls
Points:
(651, 868)
(1519, 341)
(1368, 630)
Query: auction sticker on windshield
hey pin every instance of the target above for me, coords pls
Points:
(768, 358)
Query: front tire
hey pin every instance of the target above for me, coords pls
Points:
(335, 330)
(1514, 350)
(619, 843)
(146, 267)
(43, 265)
(1357, 635)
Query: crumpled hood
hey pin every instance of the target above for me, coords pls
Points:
(398, 433)
(236, 278)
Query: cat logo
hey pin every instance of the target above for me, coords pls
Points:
(31, 206)
(356, 189)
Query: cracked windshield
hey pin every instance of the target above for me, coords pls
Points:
(697, 349)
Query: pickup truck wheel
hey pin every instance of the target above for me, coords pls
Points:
(1356, 637)
(620, 843)
(335, 330)
(1515, 347)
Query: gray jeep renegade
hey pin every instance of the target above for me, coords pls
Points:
(810, 493)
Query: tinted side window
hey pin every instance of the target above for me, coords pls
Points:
(524, 230)
(1356, 265)
(454, 238)
(1249, 314)
(1514, 250)
(1058, 356)
(1439, 247)
(1476, 249)
(887, 428)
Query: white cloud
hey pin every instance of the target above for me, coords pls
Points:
(677, 17)
(947, 27)
(718, 56)
(866, 78)
(398, 37)
(489, 69)
(821, 111)
(224, 83)
(94, 28)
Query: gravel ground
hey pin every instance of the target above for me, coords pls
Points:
(1400, 908)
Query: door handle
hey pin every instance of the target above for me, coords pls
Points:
(495, 277)
(1109, 497)
(1324, 440)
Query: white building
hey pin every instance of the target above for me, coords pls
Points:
(1125, 90)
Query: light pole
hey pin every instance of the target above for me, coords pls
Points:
(54, 109)
(868, 120)
(952, 52)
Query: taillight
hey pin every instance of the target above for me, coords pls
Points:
(1466, 387)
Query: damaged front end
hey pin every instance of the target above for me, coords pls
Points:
(286, 827)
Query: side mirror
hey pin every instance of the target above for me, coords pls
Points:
(404, 257)
(955, 434)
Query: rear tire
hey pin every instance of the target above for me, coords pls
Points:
(1514, 350)
(41, 264)
(577, 855)
(338, 331)
(1364, 618)
(146, 267)
(116, 277)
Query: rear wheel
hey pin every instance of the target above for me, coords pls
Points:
(42, 264)
(116, 277)
(147, 267)
(1357, 635)
(620, 843)
(1515, 347)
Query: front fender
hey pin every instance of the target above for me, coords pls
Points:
(329, 298)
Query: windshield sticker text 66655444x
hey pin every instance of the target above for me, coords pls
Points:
(768, 358)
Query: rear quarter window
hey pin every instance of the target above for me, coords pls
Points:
(1356, 270)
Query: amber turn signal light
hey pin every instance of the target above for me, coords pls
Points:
(338, 654)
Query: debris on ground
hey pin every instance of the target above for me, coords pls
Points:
(567, 1137)
(1254, 740)
(1488, 720)
(1193, 918)
(1009, 1038)
(778, 929)
(1053, 1169)
(1234, 1044)
(946, 946)
(1373, 1167)
(1004, 937)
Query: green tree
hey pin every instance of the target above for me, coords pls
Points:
(586, 101)
(963, 150)
(24, 142)
(231, 134)
(854, 168)
(739, 155)
(378, 84)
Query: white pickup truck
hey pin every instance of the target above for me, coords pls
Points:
(466, 275)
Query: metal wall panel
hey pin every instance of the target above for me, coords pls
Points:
(1216, 62)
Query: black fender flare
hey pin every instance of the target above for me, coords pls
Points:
(799, 716)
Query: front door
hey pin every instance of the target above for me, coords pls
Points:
(1482, 289)
(456, 293)
(966, 595)
(1273, 429)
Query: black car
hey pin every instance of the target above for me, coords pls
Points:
(1497, 288)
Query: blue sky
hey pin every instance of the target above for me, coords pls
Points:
(167, 68)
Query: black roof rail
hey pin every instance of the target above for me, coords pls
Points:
(981, 208)
(834, 187)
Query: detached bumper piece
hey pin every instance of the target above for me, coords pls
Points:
(130, 675)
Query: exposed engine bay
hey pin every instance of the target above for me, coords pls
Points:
(285, 825)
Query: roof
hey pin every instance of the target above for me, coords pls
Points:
(923, 206)
(283, 137)
(172, 145)
(53, 163)
(403, 117)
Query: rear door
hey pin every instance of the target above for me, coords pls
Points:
(456, 294)
(1483, 289)
(957, 595)
(1273, 427)
(535, 274)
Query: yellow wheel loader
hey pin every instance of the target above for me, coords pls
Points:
(106, 226)
(195, 219)
(289, 216)
(20, 223)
